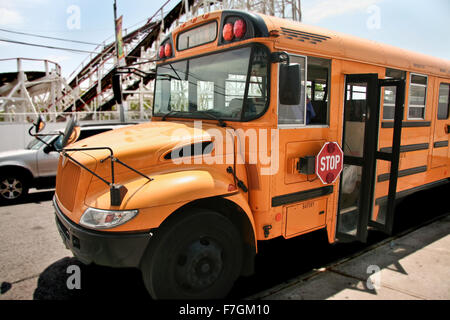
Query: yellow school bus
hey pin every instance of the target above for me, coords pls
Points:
(243, 105)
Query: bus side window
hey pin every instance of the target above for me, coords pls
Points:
(417, 96)
(294, 114)
(390, 93)
(319, 73)
(444, 101)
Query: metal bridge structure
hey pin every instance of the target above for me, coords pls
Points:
(25, 93)
(88, 91)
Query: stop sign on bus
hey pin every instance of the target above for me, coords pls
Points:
(329, 162)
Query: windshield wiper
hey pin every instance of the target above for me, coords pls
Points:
(174, 71)
(207, 113)
(170, 113)
(214, 117)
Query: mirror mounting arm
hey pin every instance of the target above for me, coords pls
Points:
(280, 57)
(38, 136)
(117, 192)
(114, 159)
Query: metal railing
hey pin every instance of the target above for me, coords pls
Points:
(56, 117)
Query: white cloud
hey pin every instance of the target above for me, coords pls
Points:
(329, 8)
(10, 17)
(21, 3)
(12, 11)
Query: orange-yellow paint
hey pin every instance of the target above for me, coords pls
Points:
(144, 146)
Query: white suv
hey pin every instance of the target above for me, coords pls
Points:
(35, 167)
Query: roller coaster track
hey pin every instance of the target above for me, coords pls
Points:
(90, 87)
(77, 98)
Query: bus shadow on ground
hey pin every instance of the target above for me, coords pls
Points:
(96, 283)
(278, 261)
(274, 264)
(355, 278)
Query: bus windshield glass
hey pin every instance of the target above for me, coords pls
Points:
(230, 85)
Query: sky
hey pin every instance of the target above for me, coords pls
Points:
(417, 25)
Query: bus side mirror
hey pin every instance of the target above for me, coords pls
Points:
(290, 84)
(71, 133)
(39, 125)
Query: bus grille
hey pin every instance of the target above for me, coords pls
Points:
(66, 184)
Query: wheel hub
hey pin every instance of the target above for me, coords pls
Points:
(11, 189)
(205, 268)
(200, 265)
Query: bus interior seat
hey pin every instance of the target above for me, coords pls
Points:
(235, 107)
(320, 108)
(236, 104)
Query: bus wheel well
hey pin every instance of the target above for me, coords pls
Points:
(238, 217)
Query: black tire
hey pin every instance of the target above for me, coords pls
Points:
(14, 187)
(198, 255)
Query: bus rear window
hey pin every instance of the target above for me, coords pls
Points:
(195, 37)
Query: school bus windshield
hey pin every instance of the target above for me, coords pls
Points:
(231, 85)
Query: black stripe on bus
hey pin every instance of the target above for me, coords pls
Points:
(382, 200)
(403, 173)
(301, 196)
(441, 144)
(408, 148)
(408, 124)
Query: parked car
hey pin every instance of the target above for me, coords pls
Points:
(36, 166)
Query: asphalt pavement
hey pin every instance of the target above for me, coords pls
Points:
(29, 244)
(34, 264)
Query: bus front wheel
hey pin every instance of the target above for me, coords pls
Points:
(198, 255)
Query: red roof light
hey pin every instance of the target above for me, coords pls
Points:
(168, 50)
(161, 52)
(228, 34)
(239, 29)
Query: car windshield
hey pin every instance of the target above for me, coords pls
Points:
(35, 144)
(221, 84)
(58, 143)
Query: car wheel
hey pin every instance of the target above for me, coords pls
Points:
(13, 188)
(196, 256)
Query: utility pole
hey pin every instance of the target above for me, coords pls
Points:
(120, 102)
(300, 13)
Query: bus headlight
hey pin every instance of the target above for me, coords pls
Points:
(105, 219)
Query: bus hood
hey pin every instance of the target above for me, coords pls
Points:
(142, 146)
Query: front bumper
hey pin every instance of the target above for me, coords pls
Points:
(101, 248)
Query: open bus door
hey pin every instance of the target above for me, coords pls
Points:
(360, 142)
(384, 219)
